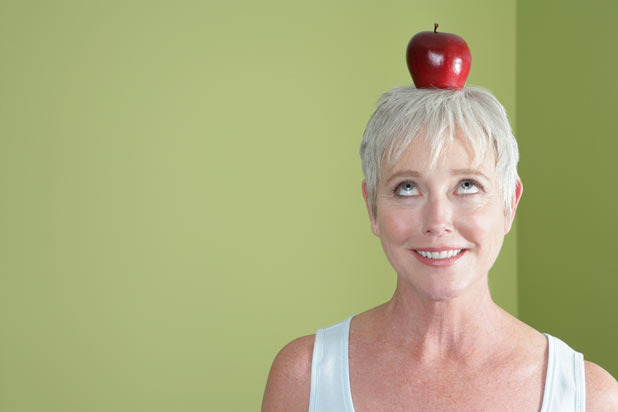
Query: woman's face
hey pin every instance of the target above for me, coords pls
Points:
(442, 227)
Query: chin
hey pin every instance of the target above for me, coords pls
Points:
(441, 288)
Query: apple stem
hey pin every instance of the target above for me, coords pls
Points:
(435, 27)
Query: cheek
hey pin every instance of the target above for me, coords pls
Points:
(396, 226)
(485, 228)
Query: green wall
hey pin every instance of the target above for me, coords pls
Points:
(181, 188)
(567, 93)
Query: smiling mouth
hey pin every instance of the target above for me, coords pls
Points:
(444, 254)
(439, 258)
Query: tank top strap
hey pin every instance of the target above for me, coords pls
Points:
(330, 371)
(565, 385)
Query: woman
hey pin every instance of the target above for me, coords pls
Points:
(441, 189)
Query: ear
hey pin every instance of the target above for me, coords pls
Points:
(374, 224)
(509, 219)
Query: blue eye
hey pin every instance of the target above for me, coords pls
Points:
(468, 187)
(406, 189)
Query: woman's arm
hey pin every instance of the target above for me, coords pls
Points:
(289, 381)
(601, 389)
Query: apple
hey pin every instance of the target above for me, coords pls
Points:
(438, 60)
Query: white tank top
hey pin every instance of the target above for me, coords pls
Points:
(565, 389)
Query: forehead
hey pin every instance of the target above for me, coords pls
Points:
(457, 154)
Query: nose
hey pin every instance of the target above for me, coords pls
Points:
(437, 217)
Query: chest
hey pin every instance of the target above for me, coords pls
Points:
(395, 384)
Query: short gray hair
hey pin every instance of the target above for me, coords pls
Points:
(406, 112)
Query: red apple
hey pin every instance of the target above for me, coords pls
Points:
(438, 60)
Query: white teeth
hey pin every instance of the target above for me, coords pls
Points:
(439, 255)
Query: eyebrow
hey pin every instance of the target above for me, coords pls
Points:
(468, 172)
(454, 172)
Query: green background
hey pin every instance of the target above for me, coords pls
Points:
(180, 185)
(567, 104)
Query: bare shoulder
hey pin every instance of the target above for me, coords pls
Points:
(601, 389)
(289, 381)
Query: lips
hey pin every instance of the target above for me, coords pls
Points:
(438, 257)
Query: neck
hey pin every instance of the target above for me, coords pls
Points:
(457, 328)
